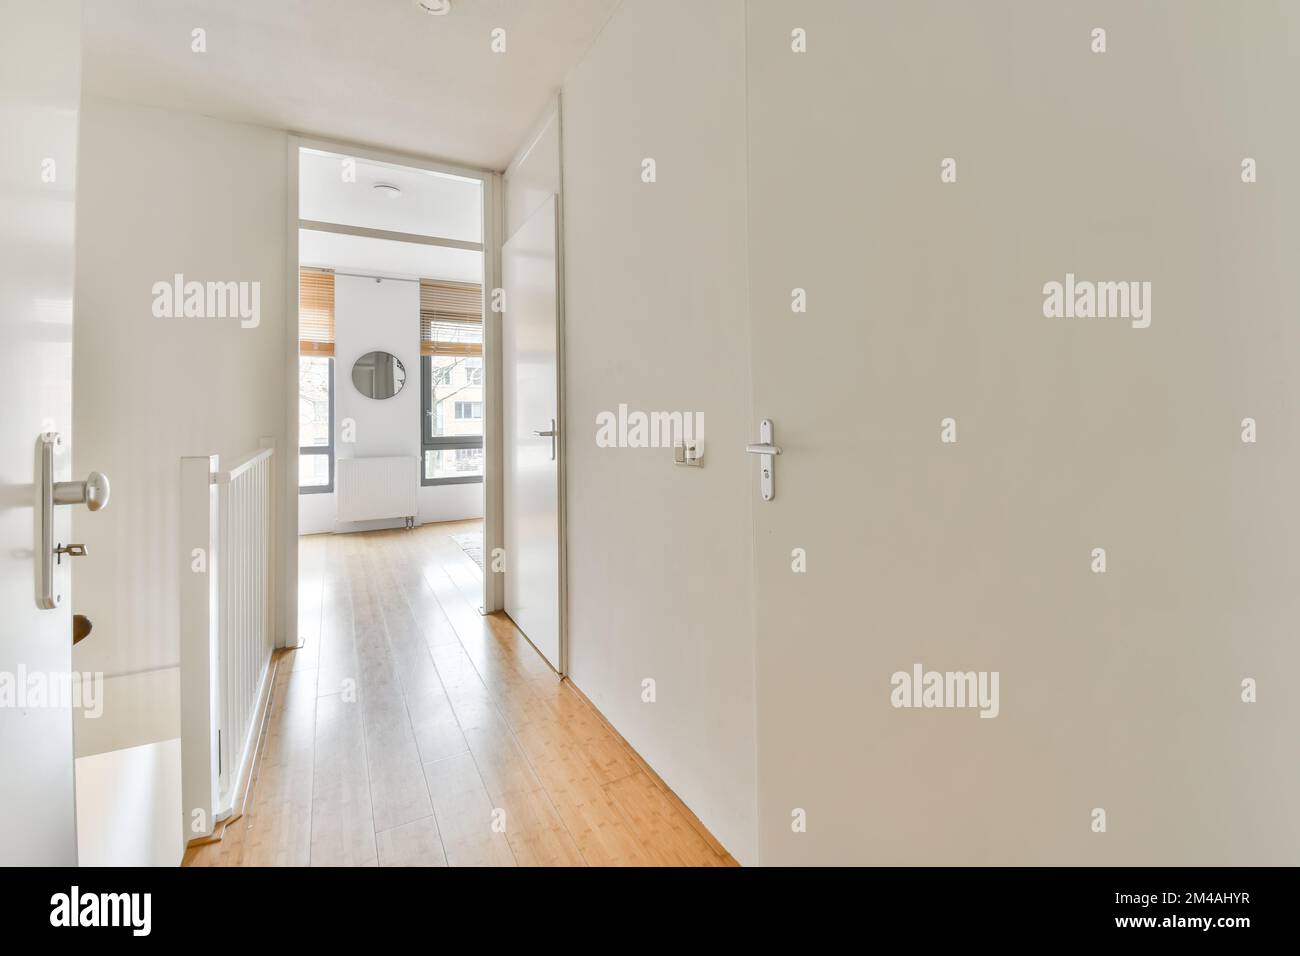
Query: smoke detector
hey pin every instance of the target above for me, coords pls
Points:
(435, 8)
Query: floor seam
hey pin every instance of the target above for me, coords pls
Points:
(495, 708)
(406, 707)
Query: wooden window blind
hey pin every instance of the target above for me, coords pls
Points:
(315, 312)
(451, 318)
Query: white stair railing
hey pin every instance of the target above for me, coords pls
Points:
(227, 532)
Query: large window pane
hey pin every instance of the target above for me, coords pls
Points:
(453, 422)
(313, 401)
(453, 463)
(455, 396)
(313, 471)
(315, 424)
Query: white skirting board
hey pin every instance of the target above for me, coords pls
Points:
(373, 488)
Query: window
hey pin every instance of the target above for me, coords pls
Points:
(451, 377)
(315, 381)
(315, 424)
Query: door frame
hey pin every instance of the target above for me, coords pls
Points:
(287, 561)
(561, 450)
(552, 113)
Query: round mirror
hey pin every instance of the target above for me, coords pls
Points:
(379, 375)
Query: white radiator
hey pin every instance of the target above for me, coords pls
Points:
(369, 489)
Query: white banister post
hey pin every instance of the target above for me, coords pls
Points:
(198, 639)
(283, 633)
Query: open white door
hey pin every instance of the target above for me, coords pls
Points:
(530, 400)
(40, 65)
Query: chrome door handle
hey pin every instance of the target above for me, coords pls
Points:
(766, 463)
(93, 493)
(551, 435)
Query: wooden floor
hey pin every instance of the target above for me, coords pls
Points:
(410, 730)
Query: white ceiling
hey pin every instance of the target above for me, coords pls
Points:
(375, 72)
(429, 204)
(383, 257)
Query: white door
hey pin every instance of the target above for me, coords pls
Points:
(40, 54)
(530, 273)
(894, 540)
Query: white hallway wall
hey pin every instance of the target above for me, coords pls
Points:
(655, 283)
(1134, 440)
(377, 315)
(163, 193)
(160, 193)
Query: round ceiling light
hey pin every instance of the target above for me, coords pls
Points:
(387, 190)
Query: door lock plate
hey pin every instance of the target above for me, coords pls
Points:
(689, 452)
(767, 453)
